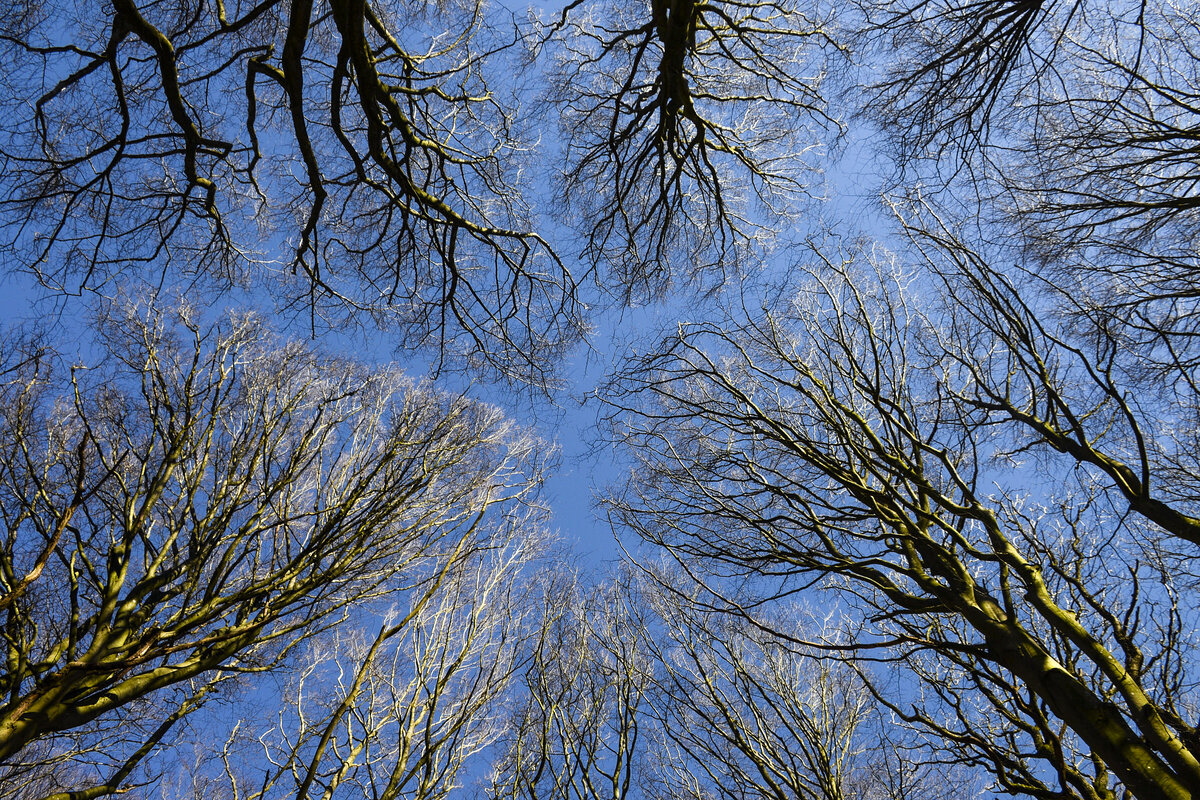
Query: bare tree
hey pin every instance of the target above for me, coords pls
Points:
(1009, 511)
(1069, 125)
(351, 157)
(1106, 194)
(742, 713)
(201, 502)
(578, 733)
(643, 690)
(952, 69)
(689, 128)
(398, 715)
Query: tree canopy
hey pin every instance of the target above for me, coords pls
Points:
(910, 507)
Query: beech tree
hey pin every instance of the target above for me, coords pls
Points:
(641, 691)
(690, 129)
(375, 165)
(352, 159)
(992, 465)
(1006, 509)
(1068, 127)
(400, 714)
(205, 502)
(579, 731)
(975, 440)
